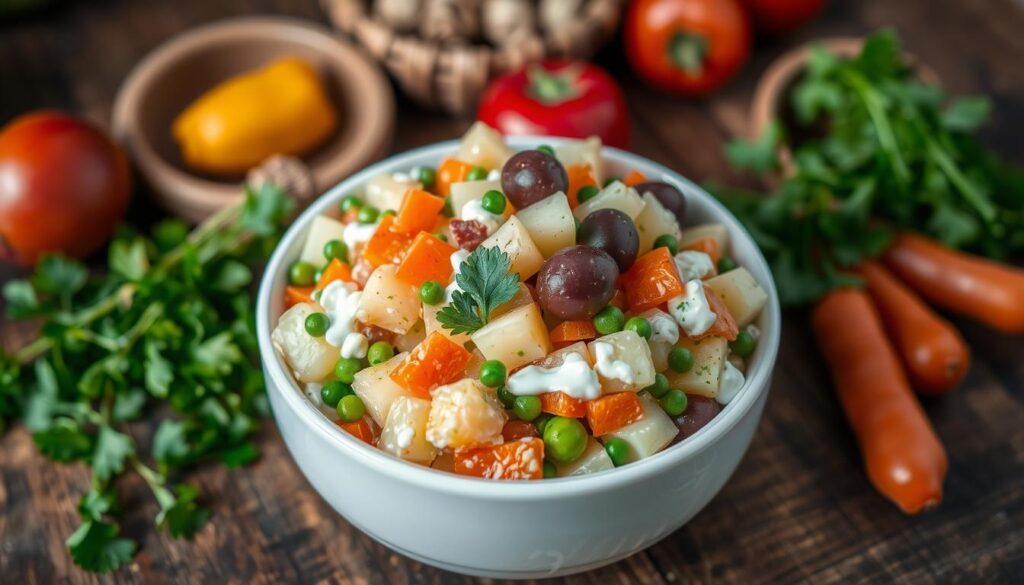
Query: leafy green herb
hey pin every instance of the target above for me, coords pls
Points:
(872, 149)
(484, 284)
(168, 330)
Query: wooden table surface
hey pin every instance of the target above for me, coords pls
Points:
(798, 509)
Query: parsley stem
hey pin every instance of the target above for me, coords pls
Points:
(976, 199)
(875, 107)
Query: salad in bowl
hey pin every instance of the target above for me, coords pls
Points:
(518, 315)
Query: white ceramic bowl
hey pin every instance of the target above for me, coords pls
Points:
(509, 529)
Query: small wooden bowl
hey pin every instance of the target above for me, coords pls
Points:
(179, 71)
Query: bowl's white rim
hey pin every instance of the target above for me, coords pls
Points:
(758, 378)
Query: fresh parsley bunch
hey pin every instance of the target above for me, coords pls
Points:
(873, 148)
(484, 284)
(167, 334)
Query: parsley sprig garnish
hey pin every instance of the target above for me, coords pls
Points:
(166, 336)
(485, 284)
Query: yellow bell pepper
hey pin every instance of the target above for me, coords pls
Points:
(281, 108)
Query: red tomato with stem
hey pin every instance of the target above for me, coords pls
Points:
(558, 98)
(64, 186)
(778, 17)
(687, 46)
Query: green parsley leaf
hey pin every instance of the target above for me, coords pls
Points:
(128, 259)
(265, 209)
(95, 547)
(21, 299)
(63, 441)
(128, 405)
(759, 156)
(112, 448)
(966, 114)
(181, 516)
(159, 373)
(485, 284)
(58, 275)
(169, 442)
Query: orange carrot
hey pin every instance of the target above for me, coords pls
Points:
(436, 361)
(294, 295)
(905, 460)
(335, 270)
(579, 176)
(985, 290)
(619, 300)
(418, 212)
(386, 246)
(724, 325)
(611, 412)
(634, 178)
(359, 429)
(935, 355)
(450, 171)
(707, 245)
(568, 332)
(518, 429)
(652, 280)
(428, 258)
(561, 404)
(522, 459)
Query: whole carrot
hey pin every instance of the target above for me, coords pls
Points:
(933, 352)
(985, 290)
(904, 459)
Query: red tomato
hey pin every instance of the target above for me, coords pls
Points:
(777, 17)
(558, 98)
(63, 187)
(687, 46)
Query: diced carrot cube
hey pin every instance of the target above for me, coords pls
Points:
(294, 295)
(652, 280)
(418, 212)
(561, 404)
(359, 429)
(450, 171)
(386, 246)
(436, 361)
(522, 459)
(428, 258)
(634, 178)
(518, 429)
(724, 325)
(619, 300)
(610, 413)
(335, 270)
(568, 332)
(707, 245)
(579, 176)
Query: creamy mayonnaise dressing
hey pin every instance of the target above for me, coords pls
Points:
(663, 328)
(608, 366)
(730, 383)
(457, 258)
(474, 210)
(691, 310)
(357, 234)
(693, 265)
(574, 377)
(340, 301)
(494, 175)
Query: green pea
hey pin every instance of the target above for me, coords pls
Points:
(351, 408)
(388, 212)
(346, 368)
(725, 264)
(618, 451)
(586, 193)
(542, 421)
(492, 373)
(301, 274)
(336, 249)
(379, 353)
(680, 359)
(367, 214)
(526, 407)
(660, 386)
(431, 292)
(667, 241)
(546, 149)
(611, 180)
(609, 320)
(507, 399)
(550, 471)
(317, 324)
(744, 344)
(350, 202)
(426, 176)
(641, 326)
(447, 209)
(334, 391)
(565, 439)
(476, 173)
(441, 237)
(674, 402)
(494, 202)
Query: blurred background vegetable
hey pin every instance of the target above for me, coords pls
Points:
(779, 17)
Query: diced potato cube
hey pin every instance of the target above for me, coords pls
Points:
(716, 231)
(594, 459)
(741, 294)
(323, 229)
(466, 191)
(623, 362)
(650, 434)
(520, 299)
(388, 302)
(582, 152)
(703, 378)
(516, 338)
(550, 223)
(464, 414)
(410, 339)
(614, 196)
(311, 358)
(386, 192)
(378, 392)
(557, 357)
(484, 146)
(405, 431)
(654, 221)
(432, 324)
(513, 239)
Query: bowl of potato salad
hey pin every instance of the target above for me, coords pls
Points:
(517, 358)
